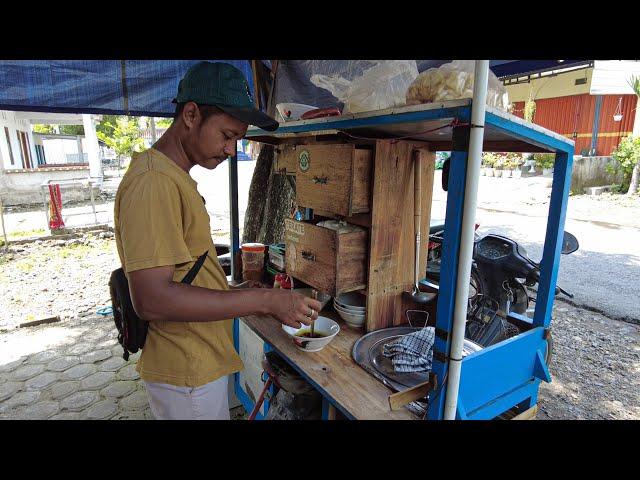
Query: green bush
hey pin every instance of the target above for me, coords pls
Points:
(626, 155)
(544, 160)
(508, 160)
(489, 159)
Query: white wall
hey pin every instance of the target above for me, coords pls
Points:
(53, 150)
(25, 187)
(611, 77)
(7, 119)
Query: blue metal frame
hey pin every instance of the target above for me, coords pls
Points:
(235, 247)
(507, 374)
(448, 277)
(596, 124)
(345, 124)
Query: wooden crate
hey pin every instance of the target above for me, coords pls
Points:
(392, 250)
(334, 178)
(329, 261)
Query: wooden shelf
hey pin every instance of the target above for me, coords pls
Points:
(332, 370)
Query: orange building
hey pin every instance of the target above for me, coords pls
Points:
(581, 104)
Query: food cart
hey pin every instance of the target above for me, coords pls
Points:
(375, 153)
(377, 156)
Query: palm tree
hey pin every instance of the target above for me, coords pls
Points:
(634, 82)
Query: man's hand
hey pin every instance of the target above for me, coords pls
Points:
(292, 308)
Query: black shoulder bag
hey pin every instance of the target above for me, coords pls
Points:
(132, 330)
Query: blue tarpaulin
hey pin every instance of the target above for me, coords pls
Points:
(118, 87)
(146, 87)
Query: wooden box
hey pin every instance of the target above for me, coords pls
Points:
(326, 259)
(331, 178)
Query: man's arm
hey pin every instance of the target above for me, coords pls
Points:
(156, 296)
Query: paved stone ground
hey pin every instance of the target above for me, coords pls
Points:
(81, 375)
(76, 371)
(72, 372)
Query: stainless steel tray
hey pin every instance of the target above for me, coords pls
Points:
(367, 352)
(382, 369)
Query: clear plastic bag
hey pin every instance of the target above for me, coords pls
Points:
(381, 85)
(453, 81)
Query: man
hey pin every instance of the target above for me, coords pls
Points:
(162, 227)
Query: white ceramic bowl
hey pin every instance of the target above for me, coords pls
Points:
(355, 321)
(357, 313)
(323, 298)
(296, 109)
(352, 300)
(322, 324)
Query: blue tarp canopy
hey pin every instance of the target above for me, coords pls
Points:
(117, 87)
(146, 87)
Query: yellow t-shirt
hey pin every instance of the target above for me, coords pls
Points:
(160, 219)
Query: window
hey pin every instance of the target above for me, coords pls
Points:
(6, 132)
(26, 151)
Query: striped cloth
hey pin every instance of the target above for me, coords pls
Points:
(413, 352)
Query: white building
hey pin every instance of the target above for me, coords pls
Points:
(28, 161)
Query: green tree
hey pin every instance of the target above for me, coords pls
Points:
(64, 129)
(164, 122)
(122, 133)
(72, 130)
(634, 82)
(44, 128)
(627, 156)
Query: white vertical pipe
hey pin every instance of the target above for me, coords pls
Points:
(154, 137)
(93, 150)
(481, 77)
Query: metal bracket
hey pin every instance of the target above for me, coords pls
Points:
(460, 138)
(441, 357)
(320, 180)
(443, 334)
(308, 256)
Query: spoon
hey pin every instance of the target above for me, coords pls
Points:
(314, 295)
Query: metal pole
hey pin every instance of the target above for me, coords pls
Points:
(153, 130)
(481, 78)
(235, 222)
(4, 231)
(46, 207)
(93, 203)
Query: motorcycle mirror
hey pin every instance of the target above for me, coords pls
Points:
(445, 174)
(569, 243)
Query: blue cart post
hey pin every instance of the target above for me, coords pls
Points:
(507, 374)
(498, 378)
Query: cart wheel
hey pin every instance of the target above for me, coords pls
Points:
(549, 355)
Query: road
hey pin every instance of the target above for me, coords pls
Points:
(604, 274)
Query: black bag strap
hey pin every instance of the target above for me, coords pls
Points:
(191, 274)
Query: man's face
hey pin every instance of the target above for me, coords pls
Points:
(211, 142)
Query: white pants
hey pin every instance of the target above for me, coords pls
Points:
(208, 402)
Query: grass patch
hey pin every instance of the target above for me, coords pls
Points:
(22, 234)
(26, 265)
(38, 232)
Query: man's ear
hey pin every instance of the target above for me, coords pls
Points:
(190, 114)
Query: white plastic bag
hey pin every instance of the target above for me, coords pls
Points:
(383, 85)
(453, 81)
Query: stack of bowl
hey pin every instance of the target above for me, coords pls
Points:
(352, 308)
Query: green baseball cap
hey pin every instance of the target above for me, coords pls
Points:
(224, 86)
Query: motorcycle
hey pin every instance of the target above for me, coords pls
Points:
(500, 284)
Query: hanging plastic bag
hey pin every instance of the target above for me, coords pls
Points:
(383, 85)
(453, 81)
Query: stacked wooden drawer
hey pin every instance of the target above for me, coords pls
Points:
(333, 180)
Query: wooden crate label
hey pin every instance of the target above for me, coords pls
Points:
(293, 227)
(304, 160)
